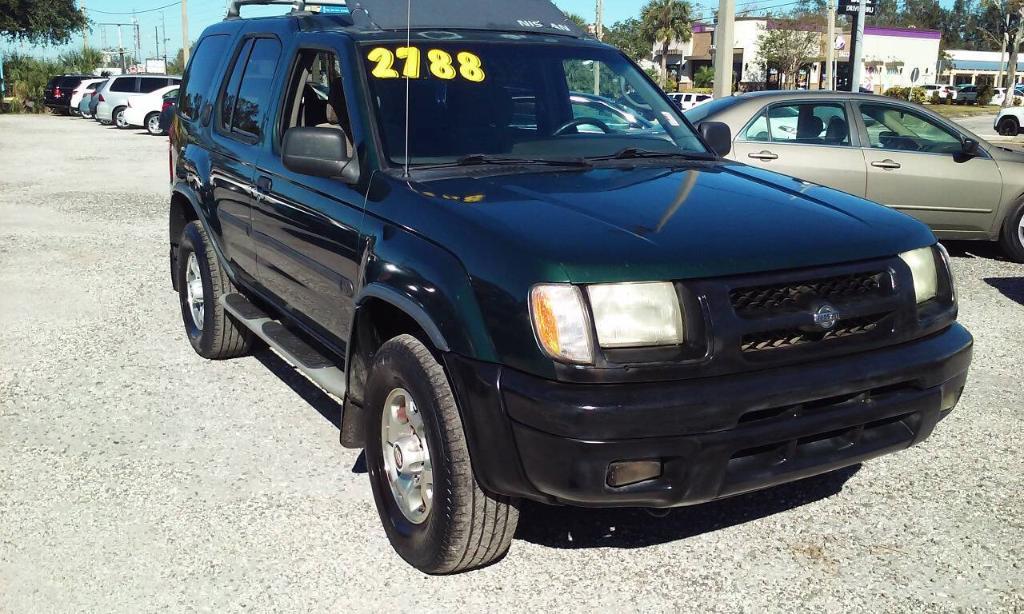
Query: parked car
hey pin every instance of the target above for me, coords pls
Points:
(945, 91)
(85, 105)
(84, 89)
(113, 96)
(966, 94)
(688, 100)
(887, 150)
(144, 110)
(170, 105)
(1009, 121)
(59, 90)
(596, 319)
(94, 102)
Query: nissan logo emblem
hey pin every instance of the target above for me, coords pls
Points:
(826, 317)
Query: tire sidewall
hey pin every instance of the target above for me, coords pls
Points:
(1009, 126)
(149, 119)
(118, 112)
(1011, 236)
(192, 241)
(418, 544)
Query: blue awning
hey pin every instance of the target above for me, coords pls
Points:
(979, 65)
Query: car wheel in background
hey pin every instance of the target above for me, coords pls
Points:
(201, 284)
(1009, 126)
(117, 118)
(1012, 239)
(153, 124)
(434, 512)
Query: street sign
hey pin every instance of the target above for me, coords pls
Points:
(915, 75)
(850, 7)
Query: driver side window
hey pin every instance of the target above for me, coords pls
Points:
(901, 129)
(317, 95)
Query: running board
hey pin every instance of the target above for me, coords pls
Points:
(294, 350)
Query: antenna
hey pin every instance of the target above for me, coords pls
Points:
(408, 84)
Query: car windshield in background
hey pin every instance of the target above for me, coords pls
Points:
(489, 102)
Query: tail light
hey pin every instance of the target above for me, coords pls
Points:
(57, 93)
(167, 105)
(101, 98)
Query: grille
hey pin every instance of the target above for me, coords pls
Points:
(780, 339)
(780, 298)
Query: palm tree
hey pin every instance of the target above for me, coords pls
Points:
(666, 21)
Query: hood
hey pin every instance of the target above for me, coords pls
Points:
(649, 222)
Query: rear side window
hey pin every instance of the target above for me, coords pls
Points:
(202, 70)
(808, 124)
(126, 84)
(148, 85)
(248, 92)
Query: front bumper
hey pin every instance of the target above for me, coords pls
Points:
(104, 111)
(714, 437)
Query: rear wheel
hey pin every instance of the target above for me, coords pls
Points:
(434, 513)
(117, 118)
(201, 283)
(1009, 126)
(1012, 239)
(153, 124)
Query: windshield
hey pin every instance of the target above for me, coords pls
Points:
(518, 101)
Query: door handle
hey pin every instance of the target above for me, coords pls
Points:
(763, 155)
(264, 185)
(887, 164)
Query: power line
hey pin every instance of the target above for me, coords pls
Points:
(159, 8)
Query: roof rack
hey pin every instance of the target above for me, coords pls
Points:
(298, 6)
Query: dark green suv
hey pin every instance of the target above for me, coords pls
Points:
(516, 297)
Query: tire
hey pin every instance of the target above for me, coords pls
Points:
(117, 118)
(1012, 239)
(218, 337)
(464, 527)
(153, 124)
(1009, 126)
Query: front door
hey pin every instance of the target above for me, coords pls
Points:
(807, 140)
(307, 228)
(916, 164)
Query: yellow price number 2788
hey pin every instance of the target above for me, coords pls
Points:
(441, 64)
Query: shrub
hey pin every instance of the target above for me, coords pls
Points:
(985, 93)
(704, 77)
(935, 98)
(27, 76)
(896, 92)
(916, 95)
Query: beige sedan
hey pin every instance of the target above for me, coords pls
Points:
(890, 151)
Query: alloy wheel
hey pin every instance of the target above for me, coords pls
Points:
(407, 464)
(194, 291)
(120, 121)
(153, 125)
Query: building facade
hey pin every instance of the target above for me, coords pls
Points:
(961, 67)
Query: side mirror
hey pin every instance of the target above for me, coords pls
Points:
(718, 136)
(971, 147)
(320, 152)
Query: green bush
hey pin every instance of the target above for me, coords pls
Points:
(896, 92)
(704, 77)
(917, 95)
(985, 93)
(27, 75)
(935, 98)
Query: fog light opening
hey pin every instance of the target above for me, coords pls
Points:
(950, 398)
(624, 473)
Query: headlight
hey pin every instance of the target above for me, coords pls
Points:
(560, 322)
(636, 314)
(926, 277)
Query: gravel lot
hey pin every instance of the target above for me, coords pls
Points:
(135, 476)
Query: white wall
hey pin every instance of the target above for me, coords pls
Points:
(920, 53)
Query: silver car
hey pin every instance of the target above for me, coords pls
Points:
(886, 150)
(113, 96)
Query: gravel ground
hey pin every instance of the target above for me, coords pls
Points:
(135, 476)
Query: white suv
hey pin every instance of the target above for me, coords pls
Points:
(1009, 121)
(688, 100)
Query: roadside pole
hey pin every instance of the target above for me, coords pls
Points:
(830, 55)
(85, 30)
(185, 50)
(724, 35)
(857, 47)
(599, 33)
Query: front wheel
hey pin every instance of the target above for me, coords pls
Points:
(1009, 126)
(435, 514)
(1012, 239)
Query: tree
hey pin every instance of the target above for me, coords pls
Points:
(580, 22)
(177, 65)
(787, 49)
(628, 36)
(50, 22)
(666, 21)
(705, 77)
(1002, 22)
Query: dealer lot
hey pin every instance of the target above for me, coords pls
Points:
(135, 476)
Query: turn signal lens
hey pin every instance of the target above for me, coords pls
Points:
(560, 323)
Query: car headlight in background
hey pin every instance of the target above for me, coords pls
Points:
(636, 314)
(560, 322)
(926, 276)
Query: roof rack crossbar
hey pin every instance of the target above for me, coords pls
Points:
(298, 6)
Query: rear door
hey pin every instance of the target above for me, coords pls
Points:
(307, 228)
(809, 140)
(915, 164)
(238, 137)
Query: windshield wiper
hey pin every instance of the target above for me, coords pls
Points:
(635, 153)
(485, 159)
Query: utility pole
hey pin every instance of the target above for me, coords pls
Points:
(724, 41)
(830, 54)
(85, 31)
(163, 19)
(120, 49)
(857, 47)
(156, 37)
(599, 32)
(185, 49)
